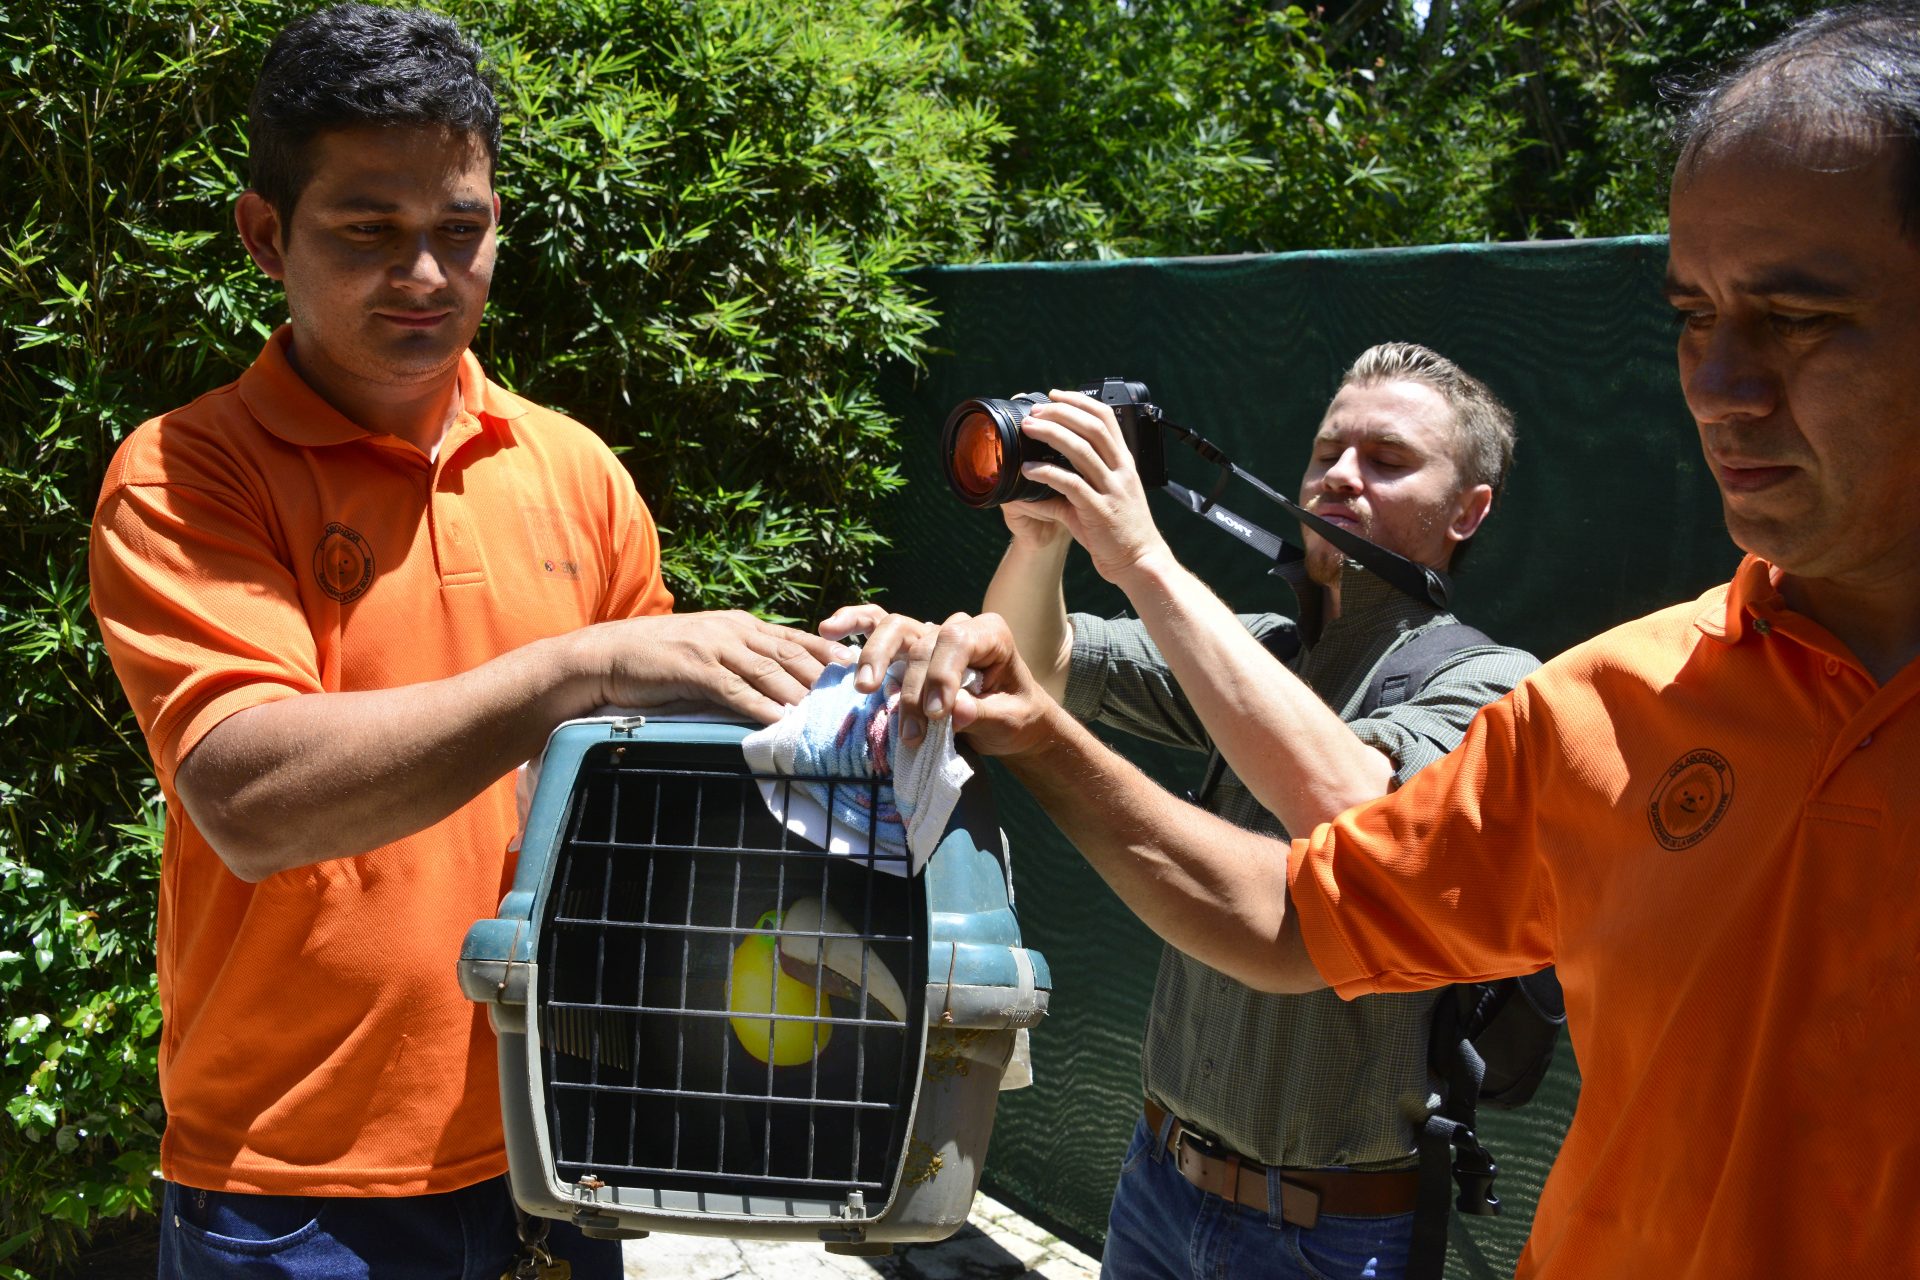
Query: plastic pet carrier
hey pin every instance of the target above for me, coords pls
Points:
(711, 1024)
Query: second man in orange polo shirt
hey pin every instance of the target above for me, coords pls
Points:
(1706, 818)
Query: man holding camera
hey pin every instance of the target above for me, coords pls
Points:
(1242, 1085)
(1704, 818)
(346, 595)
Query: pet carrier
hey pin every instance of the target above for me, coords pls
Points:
(711, 1024)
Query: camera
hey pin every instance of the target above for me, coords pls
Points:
(982, 447)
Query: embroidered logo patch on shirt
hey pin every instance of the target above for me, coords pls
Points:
(1691, 799)
(552, 535)
(343, 562)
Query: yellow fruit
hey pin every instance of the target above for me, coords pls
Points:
(756, 985)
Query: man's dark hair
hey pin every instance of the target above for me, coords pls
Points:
(357, 64)
(1838, 85)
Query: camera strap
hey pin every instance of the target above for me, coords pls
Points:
(1422, 582)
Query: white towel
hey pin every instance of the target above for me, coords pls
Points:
(838, 732)
(927, 778)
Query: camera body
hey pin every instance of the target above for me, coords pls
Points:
(982, 447)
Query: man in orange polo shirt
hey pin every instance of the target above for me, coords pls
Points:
(346, 594)
(1706, 818)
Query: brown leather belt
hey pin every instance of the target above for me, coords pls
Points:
(1304, 1193)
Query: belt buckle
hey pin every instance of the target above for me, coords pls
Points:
(1221, 1178)
(1202, 1145)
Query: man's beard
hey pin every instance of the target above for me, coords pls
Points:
(1325, 562)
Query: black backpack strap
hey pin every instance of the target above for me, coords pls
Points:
(1492, 1043)
(1401, 675)
(1404, 671)
(1449, 1149)
(1517, 1036)
(1398, 677)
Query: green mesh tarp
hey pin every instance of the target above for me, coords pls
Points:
(1610, 513)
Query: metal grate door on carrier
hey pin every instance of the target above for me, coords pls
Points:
(708, 1023)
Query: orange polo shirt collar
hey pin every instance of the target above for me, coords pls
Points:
(1755, 607)
(283, 403)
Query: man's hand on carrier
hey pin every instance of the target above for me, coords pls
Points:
(731, 659)
(1101, 502)
(287, 783)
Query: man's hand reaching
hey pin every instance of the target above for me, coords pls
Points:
(1009, 715)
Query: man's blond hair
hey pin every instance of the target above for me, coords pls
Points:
(1483, 434)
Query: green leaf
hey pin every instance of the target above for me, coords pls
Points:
(27, 1027)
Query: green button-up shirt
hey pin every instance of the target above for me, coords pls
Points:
(1309, 1081)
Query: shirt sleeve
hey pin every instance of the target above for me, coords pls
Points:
(200, 614)
(1415, 732)
(636, 586)
(1118, 677)
(1441, 881)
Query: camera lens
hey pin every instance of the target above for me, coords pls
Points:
(982, 447)
(975, 458)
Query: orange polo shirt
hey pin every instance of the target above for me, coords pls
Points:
(256, 545)
(1708, 820)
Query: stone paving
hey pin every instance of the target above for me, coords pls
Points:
(996, 1244)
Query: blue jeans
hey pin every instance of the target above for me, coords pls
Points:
(469, 1234)
(1162, 1227)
